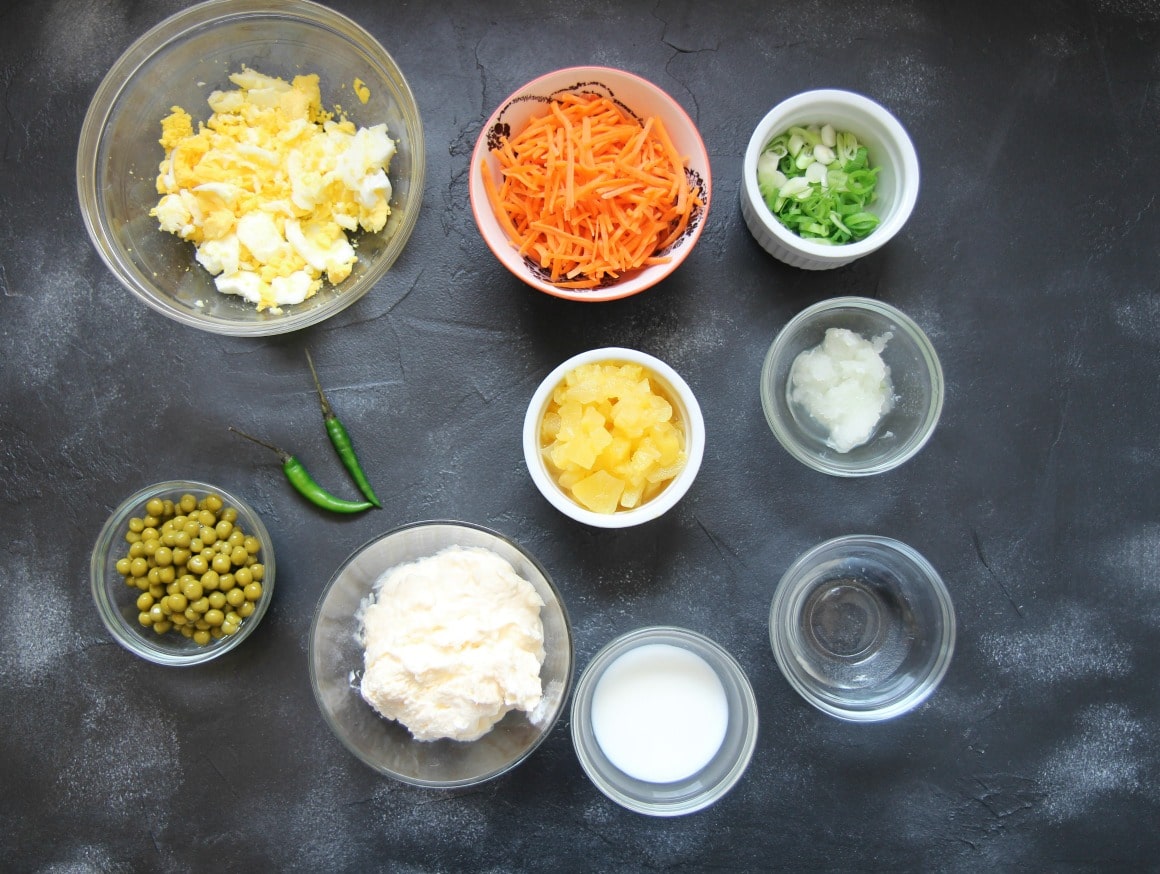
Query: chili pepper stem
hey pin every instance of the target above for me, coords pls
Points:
(327, 411)
(283, 454)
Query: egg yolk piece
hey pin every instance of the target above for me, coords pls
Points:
(269, 187)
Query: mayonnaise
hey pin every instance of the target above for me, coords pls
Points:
(452, 643)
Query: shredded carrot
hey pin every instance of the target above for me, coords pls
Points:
(589, 193)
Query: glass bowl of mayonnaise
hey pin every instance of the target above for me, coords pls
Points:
(441, 654)
(852, 386)
(249, 167)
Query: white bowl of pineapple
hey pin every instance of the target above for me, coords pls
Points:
(613, 437)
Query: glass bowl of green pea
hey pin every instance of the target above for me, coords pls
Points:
(182, 572)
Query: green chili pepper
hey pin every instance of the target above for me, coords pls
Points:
(305, 484)
(341, 440)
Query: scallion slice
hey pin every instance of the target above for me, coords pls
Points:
(818, 182)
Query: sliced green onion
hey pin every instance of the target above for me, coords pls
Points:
(818, 182)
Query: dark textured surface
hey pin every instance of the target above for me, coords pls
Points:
(1031, 260)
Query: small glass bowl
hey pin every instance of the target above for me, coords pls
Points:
(117, 603)
(180, 62)
(336, 665)
(698, 790)
(915, 374)
(686, 410)
(862, 627)
(639, 98)
(891, 150)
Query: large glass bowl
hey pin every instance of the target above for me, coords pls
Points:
(117, 603)
(180, 62)
(336, 664)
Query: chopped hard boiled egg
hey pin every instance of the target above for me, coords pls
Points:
(269, 187)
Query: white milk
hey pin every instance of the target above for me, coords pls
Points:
(659, 713)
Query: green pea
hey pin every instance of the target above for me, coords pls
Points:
(197, 565)
(217, 600)
(253, 591)
(144, 602)
(235, 597)
(221, 563)
(244, 576)
(188, 503)
(155, 507)
(139, 567)
(215, 618)
(124, 565)
(201, 638)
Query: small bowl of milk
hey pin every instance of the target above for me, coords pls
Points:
(664, 721)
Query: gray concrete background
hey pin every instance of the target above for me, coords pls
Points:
(1031, 260)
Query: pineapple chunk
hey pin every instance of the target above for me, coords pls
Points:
(611, 437)
(599, 492)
